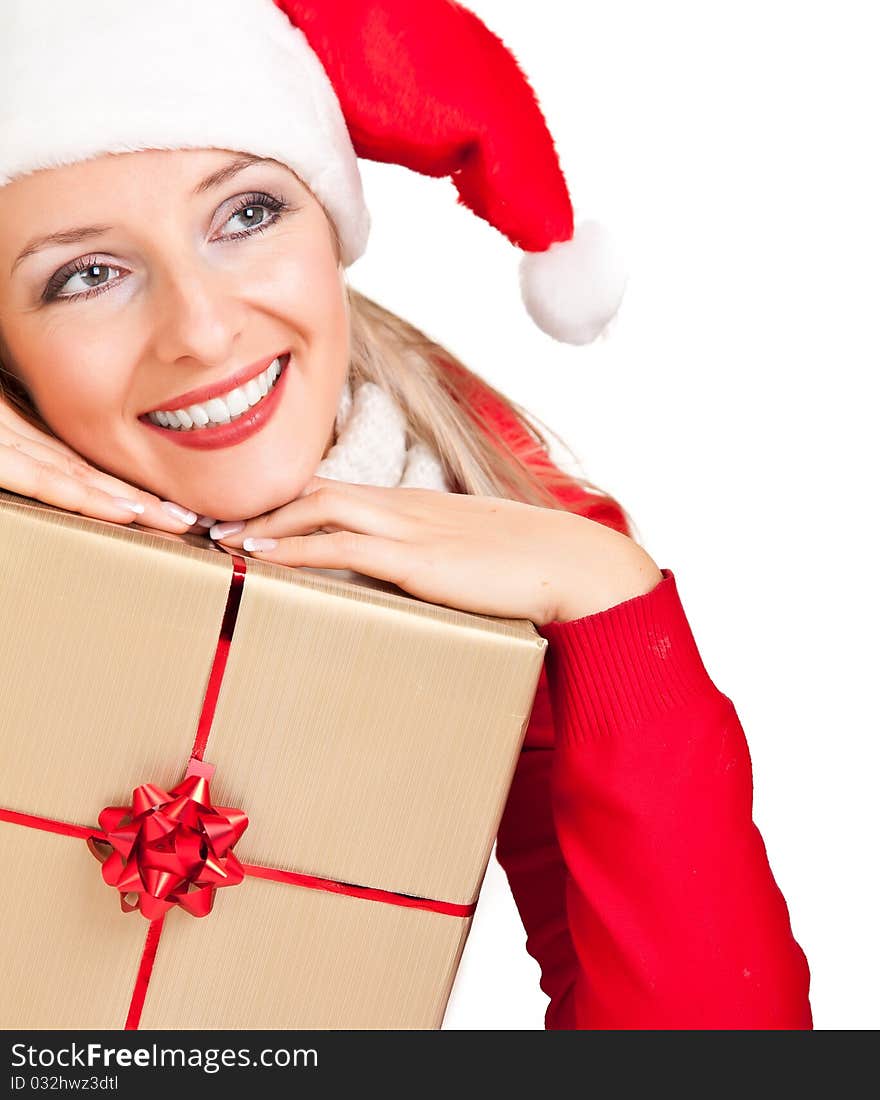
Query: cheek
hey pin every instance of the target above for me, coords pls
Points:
(306, 286)
(72, 389)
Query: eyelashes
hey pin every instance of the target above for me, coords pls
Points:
(58, 280)
(276, 207)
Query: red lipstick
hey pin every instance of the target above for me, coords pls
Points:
(205, 393)
(225, 435)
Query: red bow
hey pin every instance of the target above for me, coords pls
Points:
(171, 848)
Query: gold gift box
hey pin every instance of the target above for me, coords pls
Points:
(370, 738)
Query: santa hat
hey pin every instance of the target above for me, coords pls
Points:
(314, 84)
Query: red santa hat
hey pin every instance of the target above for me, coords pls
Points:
(314, 84)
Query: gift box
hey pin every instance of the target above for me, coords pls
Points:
(235, 794)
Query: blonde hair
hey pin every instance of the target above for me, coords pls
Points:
(457, 413)
(448, 407)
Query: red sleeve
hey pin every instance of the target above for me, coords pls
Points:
(672, 912)
(641, 879)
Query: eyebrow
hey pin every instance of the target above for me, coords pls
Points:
(230, 170)
(81, 233)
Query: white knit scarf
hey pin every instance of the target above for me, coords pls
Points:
(371, 445)
(372, 448)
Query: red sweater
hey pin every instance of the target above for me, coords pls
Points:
(627, 839)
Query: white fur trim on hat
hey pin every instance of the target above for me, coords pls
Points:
(573, 290)
(113, 76)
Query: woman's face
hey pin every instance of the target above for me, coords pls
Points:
(162, 282)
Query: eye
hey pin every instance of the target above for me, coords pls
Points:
(254, 206)
(86, 268)
(260, 210)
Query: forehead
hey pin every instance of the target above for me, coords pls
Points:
(142, 169)
(65, 204)
(68, 203)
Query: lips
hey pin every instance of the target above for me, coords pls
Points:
(217, 436)
(215, 389)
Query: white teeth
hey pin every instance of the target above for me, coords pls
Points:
(217, 410)
(220, 410)
(252, 392)
(236, 402)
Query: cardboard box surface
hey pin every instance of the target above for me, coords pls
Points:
(371, 738)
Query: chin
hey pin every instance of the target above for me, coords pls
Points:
(240, 503)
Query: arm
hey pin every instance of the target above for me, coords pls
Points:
(674, 917)
(627, 839)
(528, 851)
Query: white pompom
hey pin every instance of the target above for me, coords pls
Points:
(573, 290)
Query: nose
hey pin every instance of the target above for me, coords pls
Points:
(198, 314)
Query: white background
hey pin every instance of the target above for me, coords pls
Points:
(731, 149)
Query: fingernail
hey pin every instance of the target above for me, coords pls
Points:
(132, 505)
(206, 521)
(259, 544)
(221, 530)
(183, 514)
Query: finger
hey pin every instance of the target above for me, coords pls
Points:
(42, 450)
(329, 506)
(384, 559)
(153, 513)
(12, 423)
(22, 474)
(334, 483)
(326, 483)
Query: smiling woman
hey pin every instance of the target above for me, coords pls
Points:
(203, 268)
(221, 272)
(175, 323)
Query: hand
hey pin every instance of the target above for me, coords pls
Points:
(35, 464)
(486, 555)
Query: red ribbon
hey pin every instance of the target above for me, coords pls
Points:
(170, 848)
(174, 848)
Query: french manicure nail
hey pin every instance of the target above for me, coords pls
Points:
(132, 505)
(221, 530)
(259, 544)
(183, 514)
(206, 521)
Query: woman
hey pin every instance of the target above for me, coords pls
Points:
(180, 347)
